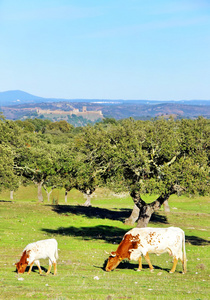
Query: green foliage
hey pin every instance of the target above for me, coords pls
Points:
(58, 127)
(8, 179)
(26, 125)
(160, 156)
(10, 144)
(40, 125)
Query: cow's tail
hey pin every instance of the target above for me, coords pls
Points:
(184, 258)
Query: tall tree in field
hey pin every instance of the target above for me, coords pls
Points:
(159, 157)
(10, 144)
(87, 166)
(67, 168)
(37, 162)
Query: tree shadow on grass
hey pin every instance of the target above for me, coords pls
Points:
(197, 241)
(103, 213)
(110, 234)
(93, 212)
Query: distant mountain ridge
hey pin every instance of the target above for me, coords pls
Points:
(16, 97)
(19, 105)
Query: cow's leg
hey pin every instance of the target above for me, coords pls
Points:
(174, 265)
(38, 265)
(31, 265)
(140, 264)
(50, 266)
(55, 268)
(184, 267)
(149, 262)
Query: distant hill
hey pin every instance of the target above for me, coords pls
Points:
(16, 97)
(20, 105)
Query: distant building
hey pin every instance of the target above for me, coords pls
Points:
(90, 115)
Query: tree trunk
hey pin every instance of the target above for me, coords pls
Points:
(88, 194)
(133, 217)
(66, 193)
(88, 201)
(40, 196)
(166, 206)
(146, 210)
(48, 193)
(145, 216)
(11, 195)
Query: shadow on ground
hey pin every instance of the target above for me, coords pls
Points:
(6, 201)
(34, 270)
(134, 266)
(103, 213)
(194, 240)
(109, 234)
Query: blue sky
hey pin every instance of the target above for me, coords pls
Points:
(106, 49)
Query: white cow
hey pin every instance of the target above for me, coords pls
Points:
(142, 241)
(39, 250)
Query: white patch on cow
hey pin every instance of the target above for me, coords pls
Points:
(135, 254)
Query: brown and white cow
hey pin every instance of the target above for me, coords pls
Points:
(39, 250)
(142, 241)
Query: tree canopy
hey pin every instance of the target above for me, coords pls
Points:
(161, 157)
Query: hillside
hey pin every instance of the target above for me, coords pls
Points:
(20, 105)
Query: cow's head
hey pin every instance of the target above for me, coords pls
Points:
(113, 261)
(23, 263)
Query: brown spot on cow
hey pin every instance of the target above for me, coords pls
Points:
(129, 243)
(23, 263)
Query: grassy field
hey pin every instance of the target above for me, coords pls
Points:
(84, 234)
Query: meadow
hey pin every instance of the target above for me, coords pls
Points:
(85, 234)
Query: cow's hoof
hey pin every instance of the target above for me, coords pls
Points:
(138, 270)
(152, 270)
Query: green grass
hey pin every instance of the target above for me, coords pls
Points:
(84, 234)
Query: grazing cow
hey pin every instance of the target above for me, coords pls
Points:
(39, 250)
(142, 241)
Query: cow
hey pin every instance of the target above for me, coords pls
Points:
(142, 241)
(39, 250)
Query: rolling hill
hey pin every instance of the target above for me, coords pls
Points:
(20, 105)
